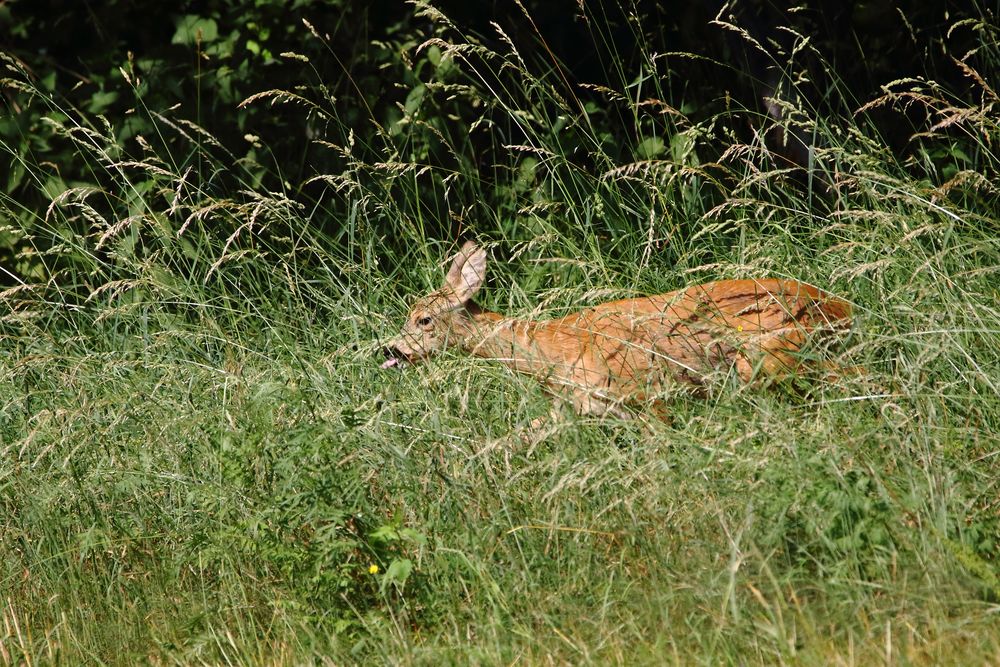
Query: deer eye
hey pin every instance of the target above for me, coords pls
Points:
(424, 321)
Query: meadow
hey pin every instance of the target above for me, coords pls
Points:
(202, 462)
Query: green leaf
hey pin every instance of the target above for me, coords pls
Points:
(434, 55)
(682, 149)
(192, 29)
(414, 99)
(101, 100)
(48, 82)
(649, 148)
(397, 573)
(386, 533)
(525, 174)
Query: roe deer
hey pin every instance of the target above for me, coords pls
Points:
(633, 349)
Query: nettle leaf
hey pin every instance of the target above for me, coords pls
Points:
(192, 29)
(398, 572)
(649, 148)
(101, 100)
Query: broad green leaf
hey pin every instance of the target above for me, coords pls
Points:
(101, 100)
(649, 148)
(397, 573)
(193, 28)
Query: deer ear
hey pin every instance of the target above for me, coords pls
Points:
(467, 272)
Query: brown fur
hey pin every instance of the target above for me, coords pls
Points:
(633, 349)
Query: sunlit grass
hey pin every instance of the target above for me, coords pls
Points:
(201, 461)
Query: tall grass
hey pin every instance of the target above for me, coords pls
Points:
(202, 462)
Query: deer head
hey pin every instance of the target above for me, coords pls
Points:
(441, 319)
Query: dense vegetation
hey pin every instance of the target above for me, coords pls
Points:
(211, 219)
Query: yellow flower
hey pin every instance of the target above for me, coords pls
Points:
(739, 327)
(373, 569)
